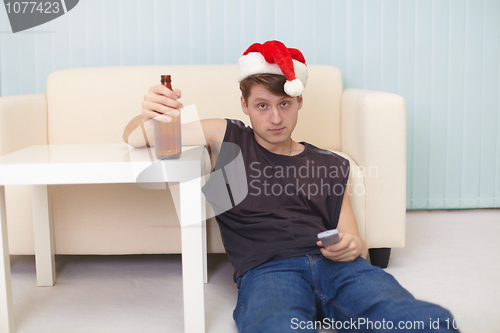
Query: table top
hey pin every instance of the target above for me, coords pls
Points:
(97, 164)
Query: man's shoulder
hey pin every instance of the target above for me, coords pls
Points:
(236, 128)
(327, 154)
(238, 123)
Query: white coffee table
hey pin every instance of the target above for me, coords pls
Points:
(44, 165)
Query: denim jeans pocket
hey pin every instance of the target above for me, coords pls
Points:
(240, 298)
(238, 281)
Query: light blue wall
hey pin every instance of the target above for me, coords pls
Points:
(442, 56)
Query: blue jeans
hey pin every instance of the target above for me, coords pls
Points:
(311, 292)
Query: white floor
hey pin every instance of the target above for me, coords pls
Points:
(450, 258)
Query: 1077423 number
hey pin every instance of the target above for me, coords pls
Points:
(41, 7)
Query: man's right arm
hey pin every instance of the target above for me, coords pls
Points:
(135, 133)
(159, 103)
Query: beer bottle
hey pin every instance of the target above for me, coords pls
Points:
(168, 134)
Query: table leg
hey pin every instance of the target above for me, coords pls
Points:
(6, 308)
(204, 233)
(204, 249)
(44, 239)
(192, 256)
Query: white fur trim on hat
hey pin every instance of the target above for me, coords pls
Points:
(255, 63)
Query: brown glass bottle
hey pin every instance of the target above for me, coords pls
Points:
(168, 134)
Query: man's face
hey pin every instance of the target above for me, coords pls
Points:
(273, 117)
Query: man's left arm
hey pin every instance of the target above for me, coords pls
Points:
(351, 245)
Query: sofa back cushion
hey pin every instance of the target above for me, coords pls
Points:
(93, 105)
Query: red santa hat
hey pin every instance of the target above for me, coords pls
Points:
(274, 57)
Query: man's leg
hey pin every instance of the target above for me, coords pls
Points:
(276, 296)
(368, 299)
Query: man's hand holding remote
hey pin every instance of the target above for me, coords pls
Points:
(348, 249)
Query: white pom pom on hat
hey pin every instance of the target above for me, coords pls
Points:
(273, 57)
(294, 87)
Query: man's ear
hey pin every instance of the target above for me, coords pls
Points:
(300, 101)
(244, 106)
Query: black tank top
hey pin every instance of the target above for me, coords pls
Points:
(270, 206)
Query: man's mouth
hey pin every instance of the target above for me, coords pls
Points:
(276, 130)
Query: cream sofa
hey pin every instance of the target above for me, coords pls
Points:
(93, 105)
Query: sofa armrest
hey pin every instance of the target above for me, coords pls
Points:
(373, 129)
(23, 122)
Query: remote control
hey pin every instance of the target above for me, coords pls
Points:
(329, 237)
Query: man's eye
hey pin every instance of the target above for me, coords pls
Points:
(262, 106)
(284, 104)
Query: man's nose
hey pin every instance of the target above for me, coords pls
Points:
(275, 116)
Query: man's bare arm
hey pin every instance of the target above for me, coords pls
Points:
(159, 103)
(198, 133)
(351, 244)
(135, 133)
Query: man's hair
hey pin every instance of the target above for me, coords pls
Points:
(275, 83)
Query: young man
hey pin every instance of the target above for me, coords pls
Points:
(287, 280)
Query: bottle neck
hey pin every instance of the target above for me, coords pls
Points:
(166, 81)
